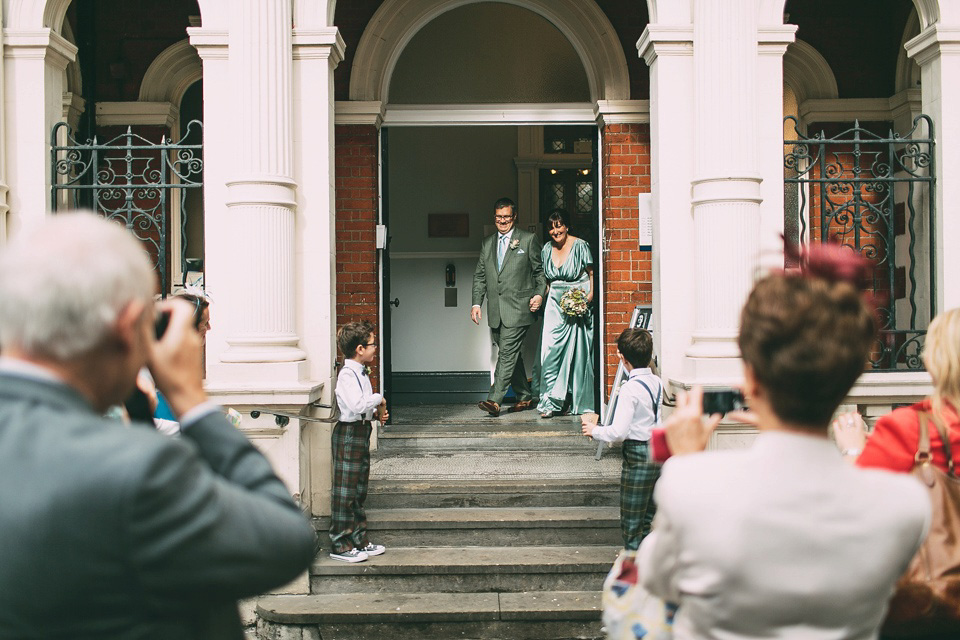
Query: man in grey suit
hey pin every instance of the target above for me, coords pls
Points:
(110, 531)
(510, 276)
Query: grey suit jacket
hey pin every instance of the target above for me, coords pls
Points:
(508, 291)
(782, 540)
(114, 532)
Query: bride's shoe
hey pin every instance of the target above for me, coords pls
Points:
(547, 414)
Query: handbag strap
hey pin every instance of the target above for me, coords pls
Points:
(923, 449)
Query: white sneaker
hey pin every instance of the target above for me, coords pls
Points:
(373, 549)
(353, 555)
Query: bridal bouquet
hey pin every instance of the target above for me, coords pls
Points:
(574, 304)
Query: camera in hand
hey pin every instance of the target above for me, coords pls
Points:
(161, 323)
(723, 401)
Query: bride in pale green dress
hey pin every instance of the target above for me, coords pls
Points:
(566, 347)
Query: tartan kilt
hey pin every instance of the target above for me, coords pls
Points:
(351, 475)
(638, 475)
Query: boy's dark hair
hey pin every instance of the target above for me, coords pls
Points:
(636, 346)
(502, 203)
(199, 304)
(352, 335)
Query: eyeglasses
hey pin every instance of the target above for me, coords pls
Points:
(503, 218)
(370, 344)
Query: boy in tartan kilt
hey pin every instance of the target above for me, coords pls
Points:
(351, 444)
(636, 413)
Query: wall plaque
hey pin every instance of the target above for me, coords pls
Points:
(448, 225)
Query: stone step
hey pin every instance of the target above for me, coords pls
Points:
(442, 492)
(491, 526)
(542, 615)
(467, 569)
(485, 434)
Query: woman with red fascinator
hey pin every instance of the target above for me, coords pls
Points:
(785, 539)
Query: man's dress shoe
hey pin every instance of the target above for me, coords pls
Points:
(490, 407)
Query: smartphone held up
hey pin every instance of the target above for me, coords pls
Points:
(723, 401)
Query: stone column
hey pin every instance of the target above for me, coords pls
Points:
(668, 51)
(726, 185)
(937, 51)
(773, 43)
(316, 53)
(218, 133)
(260, 313)
(34, 62)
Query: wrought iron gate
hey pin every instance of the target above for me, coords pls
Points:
(131, 180)
(875, 195)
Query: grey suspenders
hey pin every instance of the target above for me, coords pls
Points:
(655, 401)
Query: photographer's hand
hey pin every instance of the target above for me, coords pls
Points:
(687, 430)
(175, 360)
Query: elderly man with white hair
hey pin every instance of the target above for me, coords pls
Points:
(108, 531)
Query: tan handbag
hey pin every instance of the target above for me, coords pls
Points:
(927, 599)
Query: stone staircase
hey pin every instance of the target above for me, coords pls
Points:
(495, 528)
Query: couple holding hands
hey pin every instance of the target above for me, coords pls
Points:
(517, 277)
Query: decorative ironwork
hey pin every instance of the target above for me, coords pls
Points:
(131, 180)
(876, 196)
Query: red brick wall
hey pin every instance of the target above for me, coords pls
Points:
(627, 271)
(356, 222)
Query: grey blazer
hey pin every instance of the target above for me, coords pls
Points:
(508, 291)
(114, 532)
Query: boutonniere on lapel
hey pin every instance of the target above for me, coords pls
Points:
(515, 243)
(366, 371)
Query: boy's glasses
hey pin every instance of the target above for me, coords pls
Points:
(370, 344)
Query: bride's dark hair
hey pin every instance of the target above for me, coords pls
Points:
(807, 334)
(558, 217)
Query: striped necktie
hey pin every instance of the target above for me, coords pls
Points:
(501, 250)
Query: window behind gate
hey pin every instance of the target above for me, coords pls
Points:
(875, 195)
(140, 183)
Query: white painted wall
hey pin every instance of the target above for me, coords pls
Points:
(443, 170)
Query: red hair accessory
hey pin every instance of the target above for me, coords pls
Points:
(832, 262)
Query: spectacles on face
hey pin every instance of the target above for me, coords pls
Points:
(370, 344)
(503, 218)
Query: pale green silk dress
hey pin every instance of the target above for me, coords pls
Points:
(566, 345)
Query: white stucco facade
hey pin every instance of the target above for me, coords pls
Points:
(269, 195)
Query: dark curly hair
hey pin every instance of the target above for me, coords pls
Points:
(807, 338)
(352, 335)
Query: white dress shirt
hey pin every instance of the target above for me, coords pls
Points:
(781, 540)
(634, 416)
(355, 395)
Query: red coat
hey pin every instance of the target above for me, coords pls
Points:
(893, 443)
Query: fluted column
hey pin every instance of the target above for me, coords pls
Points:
(668, 51)
(261, 198)
(937, 51)
(773, 43)
(34, 61)
(726, 187)
(316, 53)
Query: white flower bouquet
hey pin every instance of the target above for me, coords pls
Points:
(574, 303)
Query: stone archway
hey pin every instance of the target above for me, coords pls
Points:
(583, 23)
(171, 73)
(39, 14)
